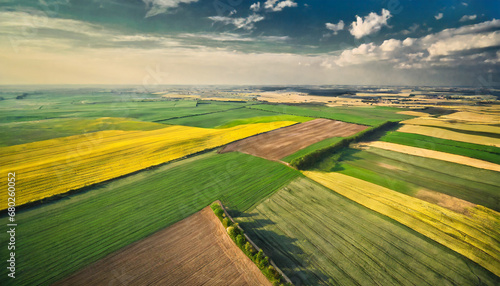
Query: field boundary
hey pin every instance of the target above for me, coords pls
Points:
(253, 243)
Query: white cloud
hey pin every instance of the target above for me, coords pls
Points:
(468, 18)
(335, 27)
(255, 7)
(277, 5)
(465, 4)
(451, 47)
(439, 16)
(240, 23)
(370, 24)
(156, 7)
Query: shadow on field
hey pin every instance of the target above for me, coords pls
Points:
(283, 250)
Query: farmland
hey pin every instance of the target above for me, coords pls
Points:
(56, 166)
(481, 152)
(475, 237)
(16, 133)
(234, 117)
(95, 223)
(477, 138)
(183, 249)
(113, 185)
(371, 116)
(286, 141)
(406, 173)
(435, 155)
(319, 237)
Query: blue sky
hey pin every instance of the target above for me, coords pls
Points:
(386, 42)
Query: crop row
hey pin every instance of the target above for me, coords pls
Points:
(468, 236)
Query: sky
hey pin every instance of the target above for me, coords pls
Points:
(293, 42)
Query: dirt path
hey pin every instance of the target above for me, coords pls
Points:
(194, 251)
(280, 143)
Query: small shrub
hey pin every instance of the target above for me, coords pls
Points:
(249, 249)
(273, 272)
(231, 231)
(226, 222)
(258, 257)
(240, 241)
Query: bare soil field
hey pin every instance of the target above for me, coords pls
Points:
(194, 251)
(285, 141)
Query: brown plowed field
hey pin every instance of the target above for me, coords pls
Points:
(194, 251)
(280, 143)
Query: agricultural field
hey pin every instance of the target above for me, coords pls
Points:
(15, 133)
(194, 251)
(234, 117)
(319, 237)
(365, 115)
(476, 138)
(426, 153)
(460, 126)
(92, 224)
(474, 236)
(408, 174)
(57, 166)
(311, 148)
(286, 141)
(481, 152)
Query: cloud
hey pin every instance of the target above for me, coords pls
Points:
(471, 45)
(240, 23)
(370, 24)
(439, 16)
(335, 27)
(468, 18)
(156, 7)
(255, 7)
(465, 4)
(413, 28)
(277, 5)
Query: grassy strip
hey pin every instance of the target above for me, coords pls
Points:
(214, 119)
(264, 119)
(237, 234)
(482, 152)
(319, 237)
(472, 237)
(371, 116)
(311, 159)
(85, 227)
(311, 148)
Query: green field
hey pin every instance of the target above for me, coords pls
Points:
(318, 237)
(63, 236)
(49, 105)
(482, 152)
(25, 132)
(361, 115)
(406, 174)
(311, 148)
(234, 117)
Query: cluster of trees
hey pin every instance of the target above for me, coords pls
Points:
(258, 257)
(309, 160)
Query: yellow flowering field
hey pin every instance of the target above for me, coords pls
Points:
(56, 166)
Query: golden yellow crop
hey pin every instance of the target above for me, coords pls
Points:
(435, 122)
(421, 152)
(450, 135)
(475, 236)
(56, 166)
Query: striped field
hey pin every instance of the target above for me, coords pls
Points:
(477, 237)
(318, 237)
